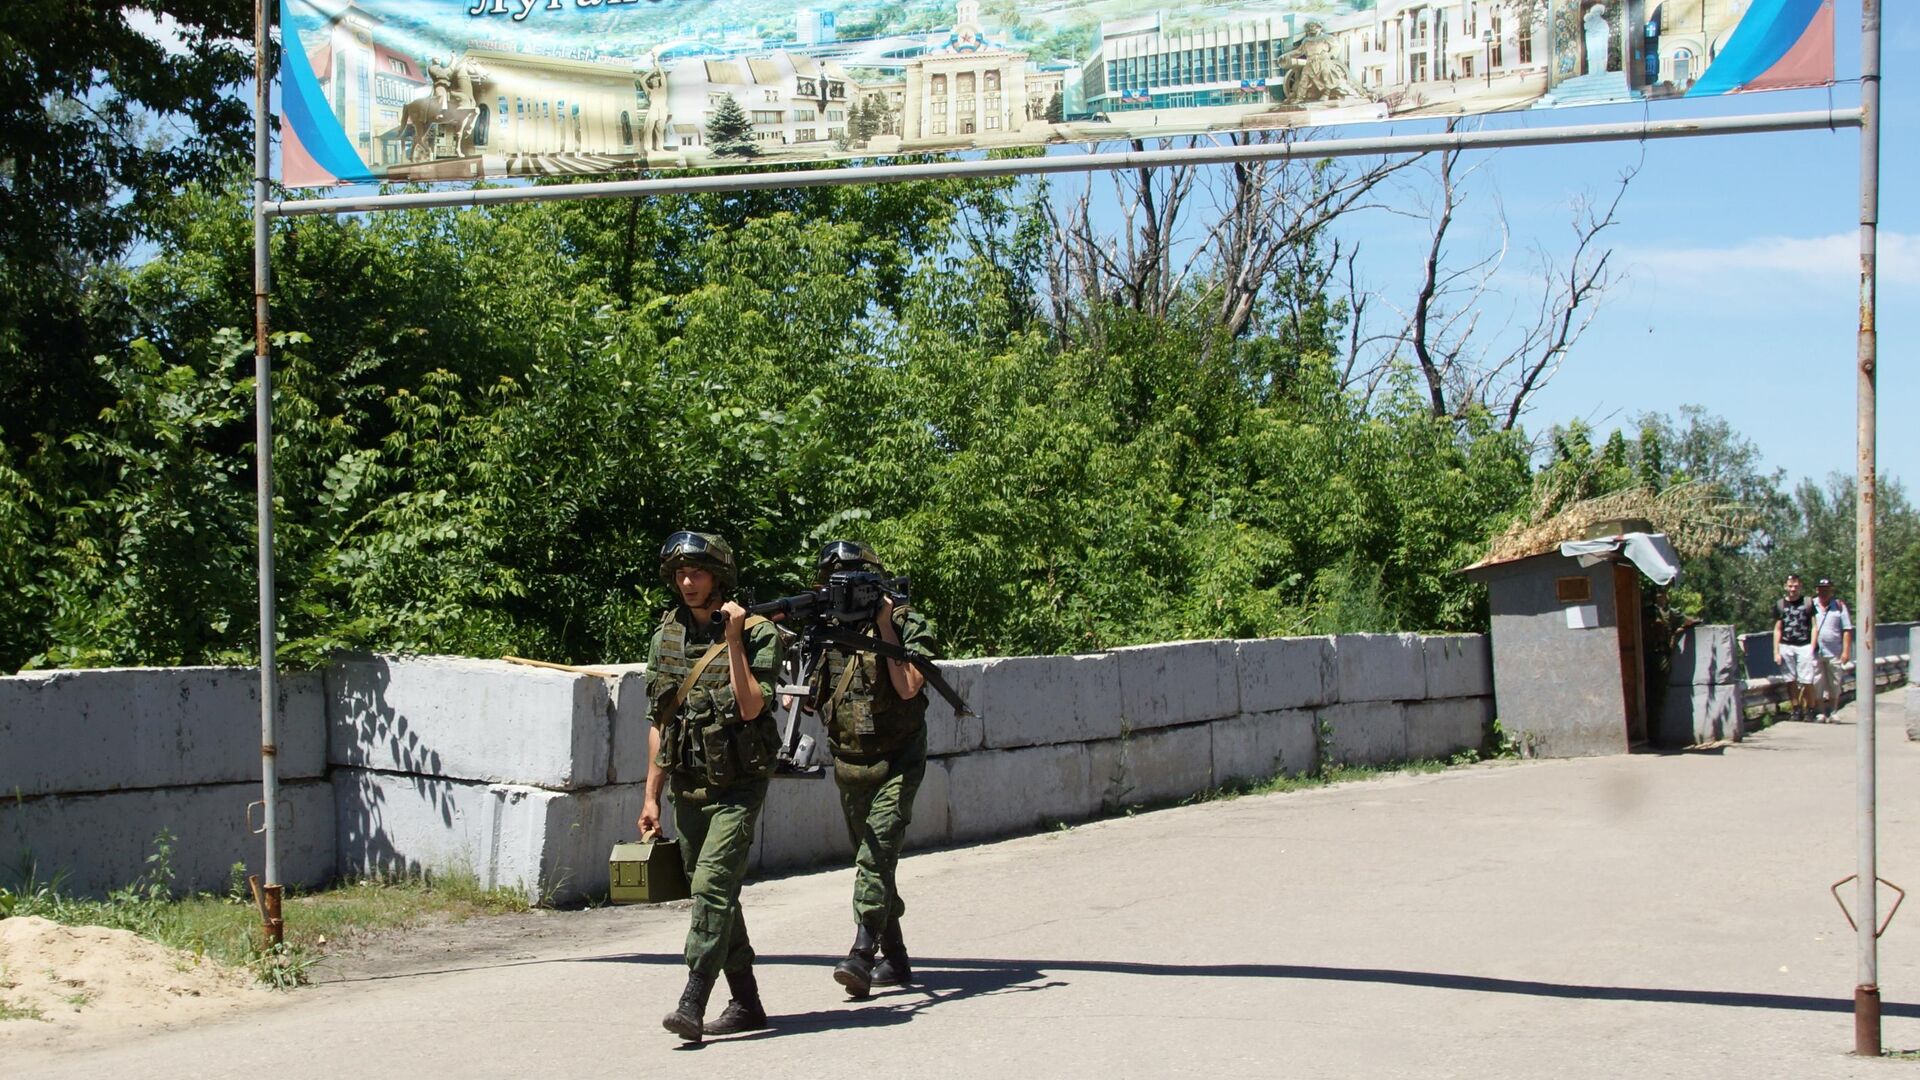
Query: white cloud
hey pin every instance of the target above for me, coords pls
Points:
(1791, 261)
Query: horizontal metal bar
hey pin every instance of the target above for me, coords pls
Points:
(1631, 131)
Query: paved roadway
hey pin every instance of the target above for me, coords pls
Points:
(1651, 915)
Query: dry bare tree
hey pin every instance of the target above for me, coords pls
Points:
(1474, 344)
(1208, 240)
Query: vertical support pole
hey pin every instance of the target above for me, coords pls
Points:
(263, 457)
(1866, 993)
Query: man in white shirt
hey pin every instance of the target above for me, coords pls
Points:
(1832, 647)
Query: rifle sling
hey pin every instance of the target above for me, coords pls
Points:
(863, 643)
(700, 667)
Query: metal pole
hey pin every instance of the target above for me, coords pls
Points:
(263, 465)
(1310, 149)
(1866, 994)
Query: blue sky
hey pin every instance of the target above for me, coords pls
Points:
(1741, 266)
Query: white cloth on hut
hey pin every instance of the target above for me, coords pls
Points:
(1648, 551)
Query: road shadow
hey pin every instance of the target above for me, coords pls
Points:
(945, 978)
(935, 982)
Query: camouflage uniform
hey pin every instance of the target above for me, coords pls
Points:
(718, 765)
(879, 747)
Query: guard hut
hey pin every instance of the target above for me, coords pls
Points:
(1567, 670)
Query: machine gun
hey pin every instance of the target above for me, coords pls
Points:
(835, 614)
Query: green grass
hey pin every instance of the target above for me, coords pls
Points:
(227, 928)
(10, 1011)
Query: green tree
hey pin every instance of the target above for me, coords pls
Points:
(99, 123)
(729, 132)
(1056, 108)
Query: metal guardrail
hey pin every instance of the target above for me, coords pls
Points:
(1768, 691)
(1756, 650)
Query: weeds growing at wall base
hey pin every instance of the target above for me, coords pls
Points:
(227, 928)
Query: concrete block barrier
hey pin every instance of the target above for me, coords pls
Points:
(1381, 667)
(551, 845)
(947, 732)
(1185, 682)
(1366, 732)
(1695, 715)
(470, 720)
(802, 825)
(1153, 766)
(1041, 700)
(628, 726)
(1440, 729)
(1457, 666)
(119, 729)
(1261, 746)
(1007, 792)
(1704, 656)
(93, 844)
(1286, 673)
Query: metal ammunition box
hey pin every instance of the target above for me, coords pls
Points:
(646, 872)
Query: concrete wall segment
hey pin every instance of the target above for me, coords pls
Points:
(1182, 682)
(1259, 746)
(1381, 667)
(1457, 666)
(1040, 700)
(1439, 729)
(93, 844)
(1286, 673)
(1366, 732)
(120, 729)
(1153, 766)
(997, 793)
(947, 732)
(470, 720)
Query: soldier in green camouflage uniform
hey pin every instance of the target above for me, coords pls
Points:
(874, 712)
(712, 741)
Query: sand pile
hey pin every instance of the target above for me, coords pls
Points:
(91, 979)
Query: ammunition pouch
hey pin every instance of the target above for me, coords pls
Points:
(737, 752)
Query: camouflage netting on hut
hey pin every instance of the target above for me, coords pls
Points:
(1696, 518)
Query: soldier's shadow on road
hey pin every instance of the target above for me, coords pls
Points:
(935, 982)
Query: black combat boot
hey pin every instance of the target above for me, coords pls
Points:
(856, 971)
(684, 1020)
(744, 1012)
(894, 969)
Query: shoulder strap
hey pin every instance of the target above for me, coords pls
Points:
(700, 667)
(845, 680)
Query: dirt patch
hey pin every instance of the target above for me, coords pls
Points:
(451, 945)
(58, 981)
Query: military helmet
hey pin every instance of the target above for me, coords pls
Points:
(704, 550)
(847, 555)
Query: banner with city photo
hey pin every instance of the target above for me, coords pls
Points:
(426, 90)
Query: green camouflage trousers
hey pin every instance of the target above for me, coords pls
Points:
(716, 836)
(877, 800)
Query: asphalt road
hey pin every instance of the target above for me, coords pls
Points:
(1647, 915)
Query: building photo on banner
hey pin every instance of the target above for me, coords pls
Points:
(426, 90)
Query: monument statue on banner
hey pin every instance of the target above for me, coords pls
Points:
(653, 128)
(1595, 25)
(1317, 88)
(441, 120)
(1315, 76)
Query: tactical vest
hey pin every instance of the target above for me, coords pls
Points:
(706, 739)
(862, 713)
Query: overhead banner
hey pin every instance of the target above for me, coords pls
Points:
(426, 90)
